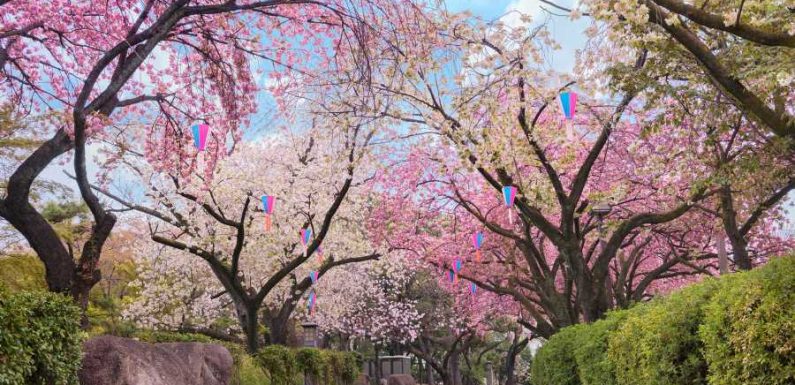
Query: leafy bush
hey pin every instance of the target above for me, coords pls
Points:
(660, 346)
(590, 350)
(247, 371)
(739, 329)
(41, 341)
(749, 328)
(554, 364)
(312, 363)
(22, 273)
(279, 363)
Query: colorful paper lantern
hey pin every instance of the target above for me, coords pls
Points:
(268, 205)
(306, 236)
(509, 197)
(477, 242)
(310, 303)
(313, 276)
(568, 104)
(200, 132)
(473, 288)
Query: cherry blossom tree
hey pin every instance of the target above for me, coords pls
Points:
(135, 74)
(319, 178)
(489, 107)
(742, 50)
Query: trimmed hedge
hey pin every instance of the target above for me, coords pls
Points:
(661, 346)
(285, 366)
(40, 339)
(749, 330)
(739, 329)
(554, 364)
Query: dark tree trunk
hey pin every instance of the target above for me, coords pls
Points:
(509, 367)
(729, 217)
(454, 369)
(428, 374)
(17, 210)
(247, 316)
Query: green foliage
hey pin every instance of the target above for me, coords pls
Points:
(739, 329)
(156, 336)
(247, 371)
(749, 328)
(660, 346)
(554, 364)
(285, 366)
(312, 363)
(41, 341)
(590, 350)
(22, 273)
(280, 364)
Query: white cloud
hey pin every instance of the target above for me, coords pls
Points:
(517, 8)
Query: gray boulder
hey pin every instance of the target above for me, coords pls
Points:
(109, 360)
(401, 379)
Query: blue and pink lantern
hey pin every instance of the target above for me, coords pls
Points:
(568, 104)
(313, 276)
(268, 205)
(306, 236)
(477, 243)
(509, 196)
(473, 288)
(200, 132)
(310, 303)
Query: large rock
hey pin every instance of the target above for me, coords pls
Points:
(401, 379)
(109, 360)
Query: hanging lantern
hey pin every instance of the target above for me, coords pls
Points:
(451, 275)
(477, 242)
(313, 276)
(568, 104)
(268, 205)
(473, 288)
(306, 236)
(200, 132)
(319, 252)
(310, 303)
(509, 196)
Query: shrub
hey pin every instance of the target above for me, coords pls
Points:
(749, 328)
(22, 273)
(342, 367)
(590, 350)
(660, 345)
(246, 370)
(311, 362)
(554, 364)
(280, 364)
(41, 341)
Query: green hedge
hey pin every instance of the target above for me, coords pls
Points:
(749, 331)
(285, 366)
(554, 364)
(660, 346)
(40, 338)
(739, 329)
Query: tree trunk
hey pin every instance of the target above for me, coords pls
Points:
(729, 216)
(454, 369)
(247, 316)
(428, 374)
(510, 361)
(378, 373)
(17, 210)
